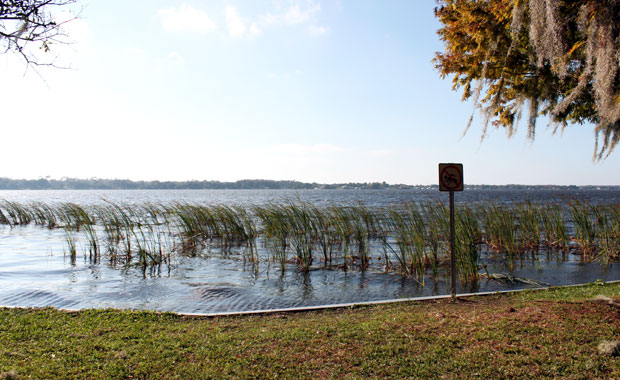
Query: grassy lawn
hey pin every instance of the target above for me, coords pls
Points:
(535, 334)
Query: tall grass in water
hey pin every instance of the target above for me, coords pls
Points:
(196, 224)
(608, 231)
(436, 215)
(615, 224)
(554, 227)
(528, 226)
(343, 231)
(74, 217)
(500, 227)
(414, 236)
(468, 236)
(43, 214)
(409, 229)
(16, 214)
(71, 244)
(300, 218)
(113, 228)
(323, 231)
(585, 227)
(275, 231)
(366, 226)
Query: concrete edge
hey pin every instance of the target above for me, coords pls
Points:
(333, 306)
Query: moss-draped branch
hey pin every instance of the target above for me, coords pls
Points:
(560, 57)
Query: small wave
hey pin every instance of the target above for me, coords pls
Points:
(37, 298)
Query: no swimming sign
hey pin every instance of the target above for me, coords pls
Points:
(450, 177)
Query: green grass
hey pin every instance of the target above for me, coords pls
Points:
(534, 334)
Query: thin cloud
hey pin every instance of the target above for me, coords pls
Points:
(186, 19)
(382, 153)
(175, 58)
(318, 30)
(234, 22)
(255, 31)
(296, 13)
(301, 149)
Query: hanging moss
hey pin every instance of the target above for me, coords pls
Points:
(560, 57)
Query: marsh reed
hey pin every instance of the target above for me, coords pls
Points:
(410, 238)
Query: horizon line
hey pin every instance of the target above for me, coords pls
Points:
(384, 183)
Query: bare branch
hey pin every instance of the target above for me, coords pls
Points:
(24, 23)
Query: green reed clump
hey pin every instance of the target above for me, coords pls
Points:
(224, 226)
(500, 228)
(468, 236)
(400, 230)
(73, 217)
(383, 236)
(409, 231)
(554, 227)
(71, 244)
(248, 231)
(70, 215)
(614, 222)
(239, 227)
(149, 247)
(17, 214)
(124, 222)
(275, 230)
(118, 229)
(193, 224)
(363, 228)
(323, 233)
(299, 217)
(88, 223)
(111, 225)
(528, 226)
(607, 220)
(3, 218)
(585, 226)
(343, 230)
(43, 214)
(436, 215)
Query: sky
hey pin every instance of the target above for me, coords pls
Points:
(326, 91)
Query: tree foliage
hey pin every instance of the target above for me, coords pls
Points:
(24, 23)
(558, 57)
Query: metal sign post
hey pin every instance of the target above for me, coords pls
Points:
(451, 179)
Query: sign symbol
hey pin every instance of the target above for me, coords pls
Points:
(451, 177)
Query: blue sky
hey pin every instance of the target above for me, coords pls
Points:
(308, 90)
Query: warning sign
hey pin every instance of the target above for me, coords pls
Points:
(450, 177)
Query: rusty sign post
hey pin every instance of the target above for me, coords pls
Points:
(451, 179)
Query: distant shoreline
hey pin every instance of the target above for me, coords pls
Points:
(248, 184)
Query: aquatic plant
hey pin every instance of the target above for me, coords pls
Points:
(554, 227)
(607, 223)
(528, 226)
(468, 236)
(500, 227)
(412, 236)
(585, 227)
(300, 218)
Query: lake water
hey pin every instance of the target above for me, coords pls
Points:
(35, 271)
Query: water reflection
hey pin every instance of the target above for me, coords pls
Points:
(199, 285)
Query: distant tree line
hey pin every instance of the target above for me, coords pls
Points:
(245, 184)
(125, 184)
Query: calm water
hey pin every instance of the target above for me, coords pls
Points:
(34, 271)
